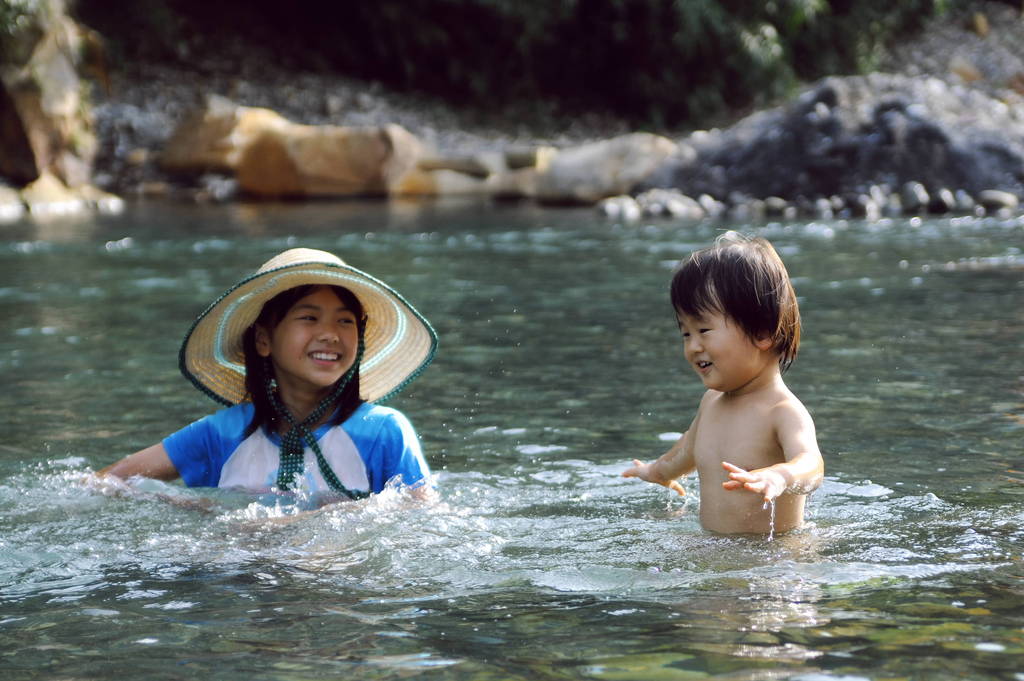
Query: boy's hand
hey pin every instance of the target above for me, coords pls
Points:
(761, 481)
(644, 472)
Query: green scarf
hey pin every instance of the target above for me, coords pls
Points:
(293, 443)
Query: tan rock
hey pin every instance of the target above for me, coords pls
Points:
(213, 137)
(478, 165)
(44, 123)
(471, 166)
(964, 68)
(49, 195)
(591, 172)
(302, 160)
(1016, 83)
(104, 202)
(440, 182)
(154, 189)
(979, 24)
(137, 157)
(528, 158)
(514, 184)
(11, 207)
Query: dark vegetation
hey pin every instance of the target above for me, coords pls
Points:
(661, 63)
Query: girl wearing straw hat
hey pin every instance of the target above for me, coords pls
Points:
(299, 352)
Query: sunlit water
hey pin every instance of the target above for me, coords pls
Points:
(559, 362)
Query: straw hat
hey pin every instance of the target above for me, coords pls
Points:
(400, 343)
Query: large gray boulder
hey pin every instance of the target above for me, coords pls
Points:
(845, 134)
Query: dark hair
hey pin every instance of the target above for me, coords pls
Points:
(744, 279)
(257, 367)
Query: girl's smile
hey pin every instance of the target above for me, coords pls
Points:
(313, 346)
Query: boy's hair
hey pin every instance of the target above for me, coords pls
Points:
(256, 367)
(744, 279)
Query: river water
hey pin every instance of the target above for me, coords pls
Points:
(559, 362)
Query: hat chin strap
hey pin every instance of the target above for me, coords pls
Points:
(299, 435)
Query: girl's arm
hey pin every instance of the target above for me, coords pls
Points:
(152, 462)
(803, 468)
(674, 463)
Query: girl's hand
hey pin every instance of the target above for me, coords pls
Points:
(644, 472)
(761, 481)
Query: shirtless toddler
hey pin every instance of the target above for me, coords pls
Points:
(752, 441)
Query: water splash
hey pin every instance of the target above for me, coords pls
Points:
(771, 520)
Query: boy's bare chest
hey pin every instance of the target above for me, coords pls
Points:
(742, 436)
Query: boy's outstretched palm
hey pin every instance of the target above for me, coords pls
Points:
(643, 471)
(761, 481)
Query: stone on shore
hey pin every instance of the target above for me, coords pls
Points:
(212, 137)
(994, 199)
(320, 161)
(844, 134)
(440, 182)
(591, 172)
(11, 207)
(45, 125)
(49, 195)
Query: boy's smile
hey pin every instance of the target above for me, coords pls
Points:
(722, 354)
(313, 345)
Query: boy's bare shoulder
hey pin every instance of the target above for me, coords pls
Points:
(791, 419)
(785, 402)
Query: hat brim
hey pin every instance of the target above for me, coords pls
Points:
(399, 342)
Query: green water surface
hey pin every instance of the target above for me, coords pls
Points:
(559, 362)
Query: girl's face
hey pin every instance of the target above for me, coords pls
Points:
(313, 345)
(723, 355)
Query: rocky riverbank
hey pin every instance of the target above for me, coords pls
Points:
(941, 131)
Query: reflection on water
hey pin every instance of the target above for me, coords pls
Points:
(558, 363)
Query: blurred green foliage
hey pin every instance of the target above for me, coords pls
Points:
(659, 62)
(17, 17)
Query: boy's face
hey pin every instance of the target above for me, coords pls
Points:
(723, 355)
(314, 344)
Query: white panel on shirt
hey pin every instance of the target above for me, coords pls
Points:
(253, 466)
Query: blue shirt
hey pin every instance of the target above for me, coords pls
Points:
(373, 446)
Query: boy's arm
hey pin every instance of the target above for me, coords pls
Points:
(676, 462)
(152, 462)
(803, 468)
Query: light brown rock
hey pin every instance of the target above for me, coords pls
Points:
(440, 182)
(48, 194)
(589, 173)
(311, 161)
(213, 137)
(44, 124)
